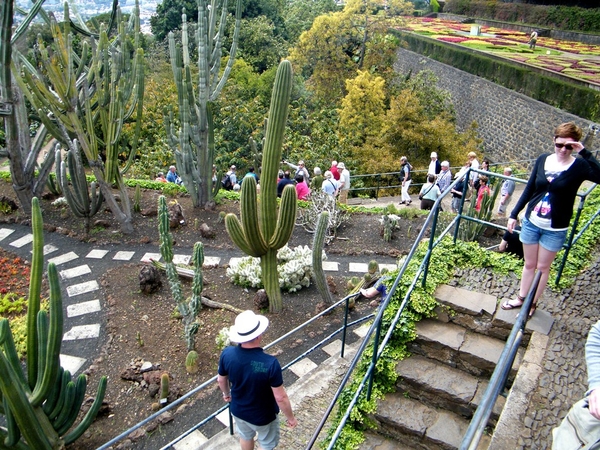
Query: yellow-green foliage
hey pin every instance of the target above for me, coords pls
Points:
(18, 324)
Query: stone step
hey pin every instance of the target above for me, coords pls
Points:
(375, 441)
(413, 423)
(458, 347)
(436, 384)
(482, 313)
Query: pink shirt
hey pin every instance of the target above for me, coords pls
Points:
(302, 190)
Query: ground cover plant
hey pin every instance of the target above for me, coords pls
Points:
(550, 54)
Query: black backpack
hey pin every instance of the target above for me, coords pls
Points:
(226, 182)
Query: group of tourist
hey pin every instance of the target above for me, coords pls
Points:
(171, 177)
(334, 182)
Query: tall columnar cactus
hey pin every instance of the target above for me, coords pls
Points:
(28, 178)
(194, 140)
(83, 199)
(41, 407)
(261, 235)
(317, 258)
(91, 96)
(188, 308)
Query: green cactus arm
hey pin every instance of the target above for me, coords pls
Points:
(17, 400)
(66, 377)
(197, 283)
(287, 218)
(41, 391)
(13, 434)
(278, 112)
(42, 329)
(35, 283)
(54, 395)
(236, 232)
(166, 240)
(90, 415)
(80, 387)
(10, 351)
(67, 406)
(249, 216)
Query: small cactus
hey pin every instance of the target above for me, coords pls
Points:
(192, 362)
(164, 388)
(317, 258)
(137, 197)
(373, 266)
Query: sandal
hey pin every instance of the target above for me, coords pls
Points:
(532, 311)
(507, 305)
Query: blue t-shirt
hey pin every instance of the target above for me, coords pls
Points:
(252, 373)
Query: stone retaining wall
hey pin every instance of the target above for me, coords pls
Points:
(513, 126)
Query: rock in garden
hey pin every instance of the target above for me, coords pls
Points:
(149, 212)
(149, 279)
(261, 301)
(331, 285)
(130, 374)
(206, 231)
(102, 223)
(176, 217)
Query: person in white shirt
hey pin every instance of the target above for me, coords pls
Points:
(444, 178)
(344, 182)
(434, 166)
(474, 175)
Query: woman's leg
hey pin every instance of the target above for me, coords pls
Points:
(405, 196)
(536, 258)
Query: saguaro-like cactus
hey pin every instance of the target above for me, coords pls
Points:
(188, 308)
(83, 199)
(317, 258)
(261, 235)
(42, 407)
(194, 141)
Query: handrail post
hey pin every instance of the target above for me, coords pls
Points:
(345, 326)
(569, 241)
(374, 359)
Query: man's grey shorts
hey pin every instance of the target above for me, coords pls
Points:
(268, 435)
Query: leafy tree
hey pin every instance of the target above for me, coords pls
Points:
(433, 100)
(300, 14)
(362, 111)
(324, 55)
(168, 16)
(260, 45)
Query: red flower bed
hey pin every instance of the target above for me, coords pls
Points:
(14, 275)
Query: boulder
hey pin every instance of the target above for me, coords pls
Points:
(150, 280)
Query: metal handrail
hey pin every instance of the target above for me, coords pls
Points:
(507, 357)
(212, 380)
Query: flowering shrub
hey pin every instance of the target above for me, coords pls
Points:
(293, 265)
(222, 339)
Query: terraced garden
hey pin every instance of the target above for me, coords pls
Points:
(570, 58)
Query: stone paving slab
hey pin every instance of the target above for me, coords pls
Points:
(63, 259)
(191, 441)
(123, 256)
(466, 301)
(180, 259)
(82, 332)
(82, 288)
(48, 248)
(303, 367)
(80, 309)
(97, 254)
(5, 232)
(151, 256)
(331, 266)
(71, 363)
(75, 272)
(23, 241)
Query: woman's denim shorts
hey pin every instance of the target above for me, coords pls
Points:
(550, 240)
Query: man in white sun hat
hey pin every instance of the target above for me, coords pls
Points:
(251, 381)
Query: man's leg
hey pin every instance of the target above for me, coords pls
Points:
(246, 445)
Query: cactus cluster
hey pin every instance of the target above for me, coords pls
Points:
(83, 199)
(261, 234)
(41, 406)
(188, 308)
(91, 96)
(194, 140)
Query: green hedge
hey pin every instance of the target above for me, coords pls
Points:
(579, 100)
(586, 20)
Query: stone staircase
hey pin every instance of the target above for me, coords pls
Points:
(441, 385)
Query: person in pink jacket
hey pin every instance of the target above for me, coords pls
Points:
(302, 189)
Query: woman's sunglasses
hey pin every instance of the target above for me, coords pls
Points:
(567, 146)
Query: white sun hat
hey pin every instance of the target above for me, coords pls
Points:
(247, 327)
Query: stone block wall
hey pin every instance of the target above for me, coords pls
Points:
(513, 127)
